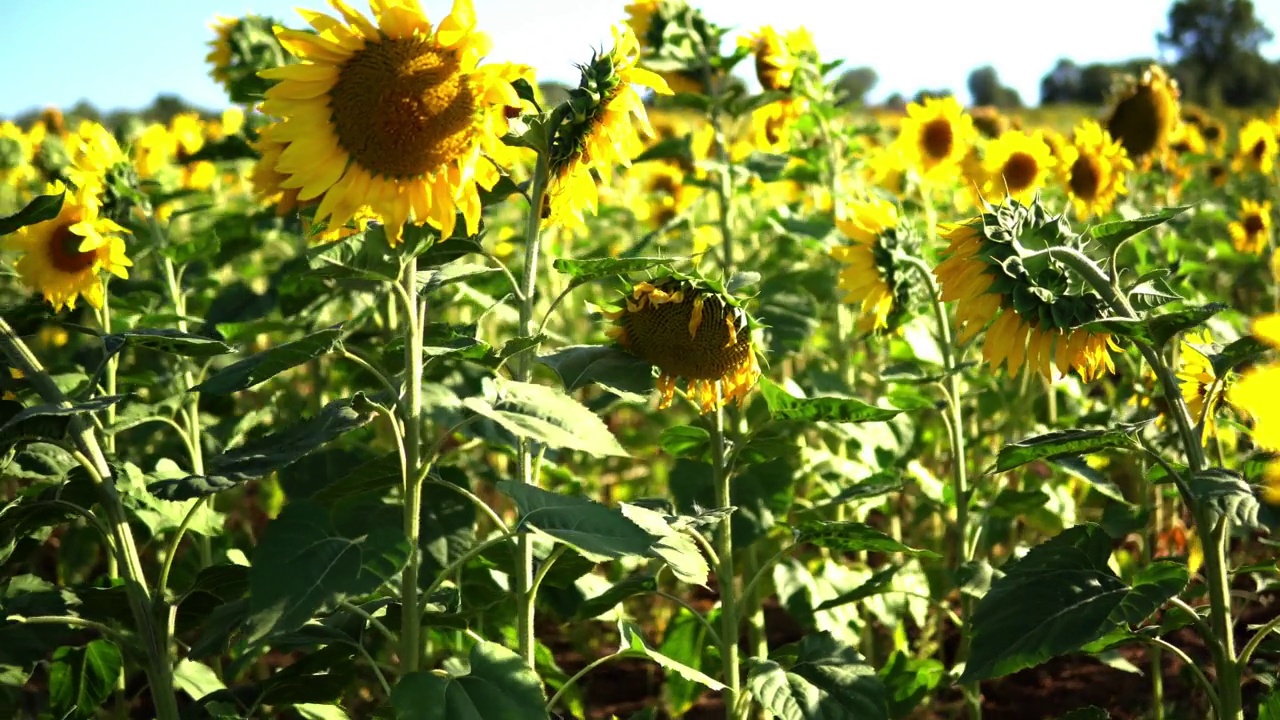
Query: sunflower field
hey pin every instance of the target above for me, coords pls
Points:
(403, 390)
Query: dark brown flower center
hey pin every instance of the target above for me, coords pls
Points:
(1085, 178)
(1253, 224)
(1020, 171)
(402, 108)
(1258, 151)
(64, 252)
(660, 335)
(1139, 121)
(937, 138)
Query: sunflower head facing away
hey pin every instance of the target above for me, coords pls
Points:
(692, 331)
(1251, 230)
(673, 32)
(603, 129)
(64, 257)
(392, 114)
(1035, 308)
(1093, 169)
(869, 274)
(1258, 147)
(935, 136)
(240, 48)
(16, 155)
(100, 169)
(1145, 114)
(778, 57)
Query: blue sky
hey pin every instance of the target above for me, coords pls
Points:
(121, 53)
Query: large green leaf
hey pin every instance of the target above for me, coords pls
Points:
(849, 536)
(81, 678)
(688, 642)
(586, 270)
(262, 366)
(1162, 328)
(1066, 442)
(1090, 713)
(760, 494)
(447, 524)
(363, 256)
(1112, 234)
(1269, 708)
(302, 565)
(604, 602)
(174, 342)
(908, 681)
(1058, 598)
(47, 422)
(547, 416)
(369, 479)
(784, 406)
(676, 548)
(633, 642)
(597, 531)
(880, 581)
(1220, 492)
(499, 686)
(40, 209)
(817, 679)
(610, 367)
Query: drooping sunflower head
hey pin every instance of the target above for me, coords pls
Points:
(692, 331)
(64, 257)
(1145, 113)
(1034, 308)
(871, 274)
(778, 57)
(603, 129)
(771, 124)
(1016, 165)
(16, 155)
(936, 135)
(1251, 230)
(102, 170)
(672, 32)
(1093, 169)
(390, 114)
(1258, 147)
(240, 48)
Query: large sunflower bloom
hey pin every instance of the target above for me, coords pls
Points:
(1093, 170)
(1196, 378)
(1145, 115)
(689, 332)
(1251, 230)
(936, 136)
(63, 257)
(1025, 329)
(1258, 147)
(607, 136)
(869, 276)
(1256, 391)
(392, 116)
(1016, 165)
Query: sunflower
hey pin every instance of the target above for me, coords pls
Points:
(1251, 231)
(693, 332)
(991, 123)
(662, 192)
(605, 136)
(1255, 392)
(1257, 151)
(657, 24)
(936, 136)
(1196, 380)
(771, 124)
(392, 116)
(1033, 321)
(885, 167)
(1015, 165)
(1092, 169)
(264, 177)
(869, 275)
(1145, 114)
(94, 152)
(153, 151)
(777, 57)
(63, 257)
(220, 50)
(16, 156)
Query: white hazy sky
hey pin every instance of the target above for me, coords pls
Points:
(121, 53)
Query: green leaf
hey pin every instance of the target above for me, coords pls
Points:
(879, 581)
(908, 681)
(676, 548)
(784, 406)
(817, 679)
(1244, 351)
(1151, 294)
(608, 366)
(1066, 442)
(874, 485)
(1010, 503)
(633, 642)
(40, 209)
(546, 415)
(363, 256)
(687, 441)
(259, 367)
(499, 686)
(597, 531)
(1100, 481)
(679, 149)
(1112, 235)
(81, 679)
(264, 455)
(1269, 709)
(455, 272)
(688, 641)
(196, 679)
(586, 270)
(1162, 328)
(769, 166)
(609, 599)
(49, 422)
(1057, 599)
(849, 536)
(174, 342)
(1219, 492)
(1089, 713)
(302, 565)
(370, 479)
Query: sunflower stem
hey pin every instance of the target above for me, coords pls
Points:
(411, 425)
(724, 571)
(524, 581)
(112, 364)
(151, 633)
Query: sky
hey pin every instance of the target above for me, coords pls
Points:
(122, 53)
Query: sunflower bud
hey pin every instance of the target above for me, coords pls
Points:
(244, 46)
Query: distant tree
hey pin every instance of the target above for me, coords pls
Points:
(926, 94)
(1213, 40)
(986, 89)
(83, 110)
(1061, 85)
(854, 84)
(896, 101)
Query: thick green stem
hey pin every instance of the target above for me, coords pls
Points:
(151, 634)
(109, 372)
(411, 423)
(724, 572)
(524, 584)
